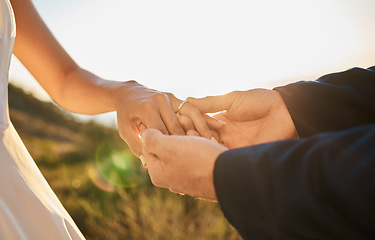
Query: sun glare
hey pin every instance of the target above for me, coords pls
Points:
(200, 48)
(115, 169)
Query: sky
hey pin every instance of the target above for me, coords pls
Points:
(208, 47)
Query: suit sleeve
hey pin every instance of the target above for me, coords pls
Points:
(334, 102)
(322, 187)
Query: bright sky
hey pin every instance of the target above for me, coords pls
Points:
(209, 47)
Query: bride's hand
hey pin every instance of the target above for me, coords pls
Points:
(136, 105)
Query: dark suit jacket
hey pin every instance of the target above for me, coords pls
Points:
(321, 186)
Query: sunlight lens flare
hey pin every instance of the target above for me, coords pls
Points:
(115, 168)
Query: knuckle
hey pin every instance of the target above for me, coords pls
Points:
(160, 97)
(185, 121)
(170, 95)
(132, 82)
(196, 113)
(191, 101)
(234, 93)
(273, 93)
(146, 105)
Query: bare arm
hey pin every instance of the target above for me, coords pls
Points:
(68, 85)
(80, 91)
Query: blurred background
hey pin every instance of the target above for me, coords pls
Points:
(198, 48)
(190, 48)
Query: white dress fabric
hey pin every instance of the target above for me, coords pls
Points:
(29, 209)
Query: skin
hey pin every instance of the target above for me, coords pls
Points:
(80, 91)
(252, 117)
(185, 164)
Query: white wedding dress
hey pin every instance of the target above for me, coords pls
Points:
(29, 209)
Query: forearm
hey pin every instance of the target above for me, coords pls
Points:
(80, 91)
(332, 103)
(69, 86)
(83, 92)
(320, 186)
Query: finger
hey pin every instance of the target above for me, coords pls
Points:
(131, 133)
(184, 108)
(217, 137)
(154, 141)
(131, 137)
(185, 122)
(198, 120)
(148, 158)
(196, 134)
(212, 104)
(214, 122)
(155, 170)
(170, 120)
(152, 119)
(168, 115)
(192, 133)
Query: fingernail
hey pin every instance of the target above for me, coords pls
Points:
(143, 161)
(222, 122)
(214, 140)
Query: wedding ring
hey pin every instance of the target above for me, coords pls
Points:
(181, 105)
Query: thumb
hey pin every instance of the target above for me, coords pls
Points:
(153, 141)
(212, 104)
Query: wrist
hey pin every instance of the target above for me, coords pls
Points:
(119, 93)
(208, 186)
(286, 119)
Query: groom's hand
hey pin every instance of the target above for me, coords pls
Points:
(253, 117)
(183, 164)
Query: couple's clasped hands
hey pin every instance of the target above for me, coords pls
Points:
(184, 164)
(139, 107)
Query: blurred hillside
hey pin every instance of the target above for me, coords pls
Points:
(102, 184)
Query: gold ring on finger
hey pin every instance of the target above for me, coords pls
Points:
(181, 105)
